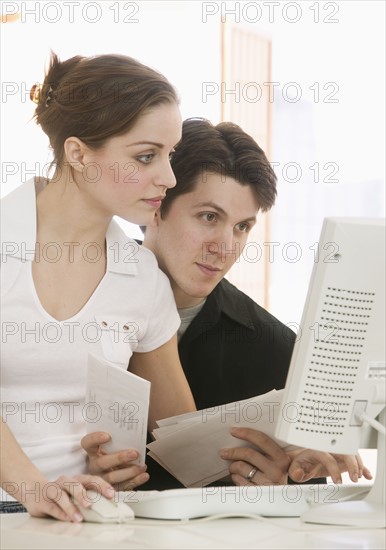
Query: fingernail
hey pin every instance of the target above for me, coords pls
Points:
(77, 517)
(354, 477)
(224, 453)
(110, 492)
(132, 454)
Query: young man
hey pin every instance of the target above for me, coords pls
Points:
(229, 346)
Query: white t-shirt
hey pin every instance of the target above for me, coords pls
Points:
(44, 361)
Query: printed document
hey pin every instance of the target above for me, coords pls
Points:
(117, 402)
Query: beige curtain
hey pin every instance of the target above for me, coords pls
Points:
(246, 66)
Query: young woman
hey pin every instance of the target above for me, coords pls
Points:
(73, 283)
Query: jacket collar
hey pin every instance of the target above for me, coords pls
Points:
(225, 299)
(18, 232)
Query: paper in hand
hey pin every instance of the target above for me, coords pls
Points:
(118, 403)
(188, 446)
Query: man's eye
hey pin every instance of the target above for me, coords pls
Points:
(145, 159)
(243, 227)
(209, 216)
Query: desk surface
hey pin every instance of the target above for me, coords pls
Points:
(22, 531)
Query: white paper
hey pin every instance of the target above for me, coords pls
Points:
(188, 445)
(117, 402)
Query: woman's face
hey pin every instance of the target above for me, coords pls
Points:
(130, 174)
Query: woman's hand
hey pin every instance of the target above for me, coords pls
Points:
(21, 479)
(116, 468)
(57, 498)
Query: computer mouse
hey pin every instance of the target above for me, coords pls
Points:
(104, 510)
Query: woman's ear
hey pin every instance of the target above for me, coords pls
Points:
(75, 150)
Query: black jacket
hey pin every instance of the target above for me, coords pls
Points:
(233, 349)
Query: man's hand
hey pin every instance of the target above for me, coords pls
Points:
(269, 466)
(307, 464)
(116, 468)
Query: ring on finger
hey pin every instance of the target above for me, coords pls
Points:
(251, 474)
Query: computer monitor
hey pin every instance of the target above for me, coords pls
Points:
(335, 387)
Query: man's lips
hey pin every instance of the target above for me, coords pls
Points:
(209, 270)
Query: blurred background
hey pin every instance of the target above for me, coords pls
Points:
(306, 79)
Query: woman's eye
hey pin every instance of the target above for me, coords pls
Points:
(171, 155)
(145, 159)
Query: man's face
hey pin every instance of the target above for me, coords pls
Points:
(203, 234)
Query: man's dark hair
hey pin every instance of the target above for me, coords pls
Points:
(223, 149)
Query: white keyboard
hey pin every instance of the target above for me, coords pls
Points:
(268, 501)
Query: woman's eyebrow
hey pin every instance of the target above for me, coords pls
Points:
(154, 143)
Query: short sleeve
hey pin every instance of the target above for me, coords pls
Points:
(164, 320)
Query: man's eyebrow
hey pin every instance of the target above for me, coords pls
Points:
(211, 204)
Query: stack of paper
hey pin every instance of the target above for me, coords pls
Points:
(188, 445)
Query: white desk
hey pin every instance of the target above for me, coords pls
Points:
(20, 531)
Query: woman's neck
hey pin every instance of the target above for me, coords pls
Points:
(65, 215)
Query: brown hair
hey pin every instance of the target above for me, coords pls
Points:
(95, 98)
(224, 149)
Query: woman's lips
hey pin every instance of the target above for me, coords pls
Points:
(154, 203)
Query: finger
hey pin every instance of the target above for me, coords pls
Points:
(258, 479)
(309, 464)
(129, 485)
(258, 459)
(272, 473)
(91, 442)
(52, 509)
(360, 464)
(266, 446)
(59, 503)
(237, 479)
(363, 471)
(95, 483)
(367, 473)
(124, 474)
(102, 464)
(44, 507)
(259, 439)
(352, 467)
